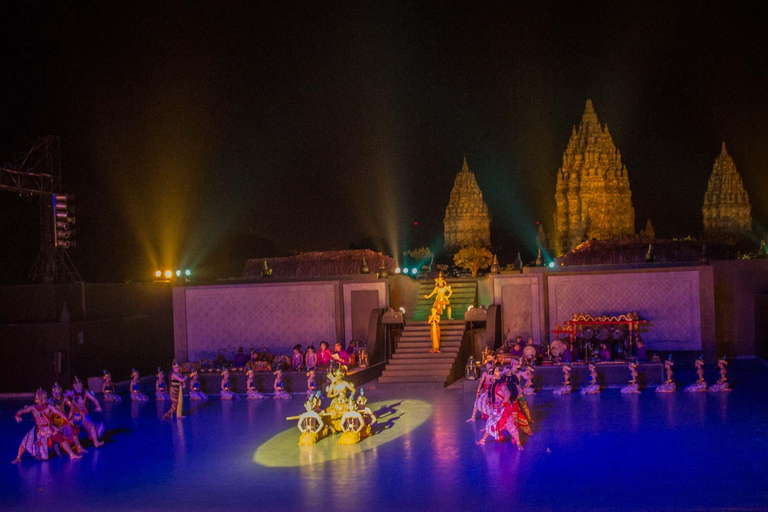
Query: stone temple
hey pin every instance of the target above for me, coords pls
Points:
(726, 210)
(593, 196)
(467, 221)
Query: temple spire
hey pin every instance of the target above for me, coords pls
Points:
(589, 117)
(467, 221)
(593, 197)
(727, 212)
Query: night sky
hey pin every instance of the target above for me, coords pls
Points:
(199, 136)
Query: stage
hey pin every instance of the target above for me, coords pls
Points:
(604, 452)
(610, 375)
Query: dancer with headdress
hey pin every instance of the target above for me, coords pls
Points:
(669, 385)
(722, 383)
(79, 415)
(311, 383)
(226, 391)
(278, 385)
(528, 388)
(501, 417)
(177, 392)
(108, 389)
(594, 386)
(482, 403)
(632, 388)
(37, 441)
(700, 385)
(194, 388)
(161, 393)
(250, 385)
(520, 412)
(64, 406)
(565, 389)
(136, 394)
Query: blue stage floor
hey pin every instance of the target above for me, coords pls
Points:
(608, 452)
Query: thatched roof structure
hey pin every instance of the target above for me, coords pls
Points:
(320, 264)
(634, 251)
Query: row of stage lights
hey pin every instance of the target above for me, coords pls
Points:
(168, 274)
(406, 270)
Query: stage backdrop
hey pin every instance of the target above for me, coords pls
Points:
(679, 301)
(276, 315)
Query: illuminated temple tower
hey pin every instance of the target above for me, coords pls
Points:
(467, 221)
(593, 196)
(726, 210)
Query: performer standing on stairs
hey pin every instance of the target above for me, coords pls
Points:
(434, 322)
(443, 292)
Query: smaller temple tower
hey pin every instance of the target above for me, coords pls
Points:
(726, 211)
(467, 221)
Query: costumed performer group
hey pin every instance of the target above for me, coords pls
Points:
(345, 413)
(59, 421)
(501, 402)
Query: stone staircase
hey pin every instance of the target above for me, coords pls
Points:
(464, 295)
(413, 364)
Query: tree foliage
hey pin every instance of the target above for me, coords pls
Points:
(473, 259)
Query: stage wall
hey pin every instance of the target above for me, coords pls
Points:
(679, 302)
(276, 315)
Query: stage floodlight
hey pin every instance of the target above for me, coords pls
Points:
(158, 273)
(551, 264)
(187, 272)
(178, 273)
(414, 271)
(168, 274)
(397, 270)
(63, 220)
(405, 270)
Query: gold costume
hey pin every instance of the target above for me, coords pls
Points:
(434, 322)
(442, 292)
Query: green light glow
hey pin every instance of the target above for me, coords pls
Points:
(395, 418)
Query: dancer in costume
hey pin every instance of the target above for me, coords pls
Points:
(44, 432)
(700, 385)
(226, 392)
(108, 389)
(78, 413)
(278, 385)
(194, 388)
(482, 403)
(565, 389)
(64, 406)
(669, 385)
(160, 389)
(502, 414)
(594, 386)
(136, 394)
(632, 388)
(311, 383)
(443, 292)
(250, 385)
(722, 383)
(177, 392)
(520, 412)
(434, 330)
(528, 377)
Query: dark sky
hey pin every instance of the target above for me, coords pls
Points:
(201, 135)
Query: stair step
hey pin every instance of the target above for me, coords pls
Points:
(418, 366)
(406, 379)
(444, 350)
(441, 355)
